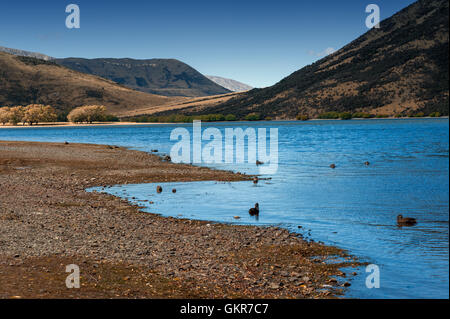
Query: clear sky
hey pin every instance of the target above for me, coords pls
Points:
(255, 42)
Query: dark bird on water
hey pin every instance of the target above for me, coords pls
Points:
(255, 180)
(254, 211)
(259, 163)
(408, 221)
(158, 189)
(333, 166)
(174, 190)
(366, 163)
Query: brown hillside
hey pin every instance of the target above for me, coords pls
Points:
(26, 80)
(400, 68)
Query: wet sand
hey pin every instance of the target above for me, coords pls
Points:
(48, 220)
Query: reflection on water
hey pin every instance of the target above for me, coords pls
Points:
(353, 206)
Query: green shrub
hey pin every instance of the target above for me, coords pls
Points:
(329, 115)
(435, 114)
(111, 118)
(362, 115)
(345, 116)
(302, 117)
(252, 117)
(230, 117)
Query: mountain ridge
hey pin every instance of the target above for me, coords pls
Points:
(230, 84)
(26, 53)
(167, 77)
(398, 69)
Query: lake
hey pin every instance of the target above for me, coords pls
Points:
(353, 206)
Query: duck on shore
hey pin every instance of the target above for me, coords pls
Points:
(254, 211)
(406, 221)
(255, 180)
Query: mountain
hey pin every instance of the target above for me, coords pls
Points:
(168, 77)
(26, 80)
(232, 85)
(26, 53)
(400, 68)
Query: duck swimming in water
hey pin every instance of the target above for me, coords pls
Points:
(254, 211)
(406, 221)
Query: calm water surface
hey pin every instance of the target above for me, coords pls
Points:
(353, 206)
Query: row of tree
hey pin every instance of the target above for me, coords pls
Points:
(38, 113)
(31, 114)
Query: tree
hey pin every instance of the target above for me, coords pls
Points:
(88, 114)
(16, 114)
(4, 115)
(35, 113)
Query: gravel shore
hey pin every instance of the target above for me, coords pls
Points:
(48, 220)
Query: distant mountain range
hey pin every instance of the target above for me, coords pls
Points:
(26, 53)
(25, 80)
(168, 77)
(230, 84)
(398, 69)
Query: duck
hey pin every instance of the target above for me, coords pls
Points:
(174, 190)
(406, 220)
(158, 189)
(255, 180)
(366, 163)
(333, 166)
(254, 211)
(259, 163)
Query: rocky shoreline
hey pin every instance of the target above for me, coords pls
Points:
(48, 220)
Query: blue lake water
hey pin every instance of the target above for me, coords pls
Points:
(353, 206)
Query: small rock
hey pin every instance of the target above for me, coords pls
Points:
(274, 285)
(306, 279)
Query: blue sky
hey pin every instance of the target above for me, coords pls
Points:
(255, 42)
